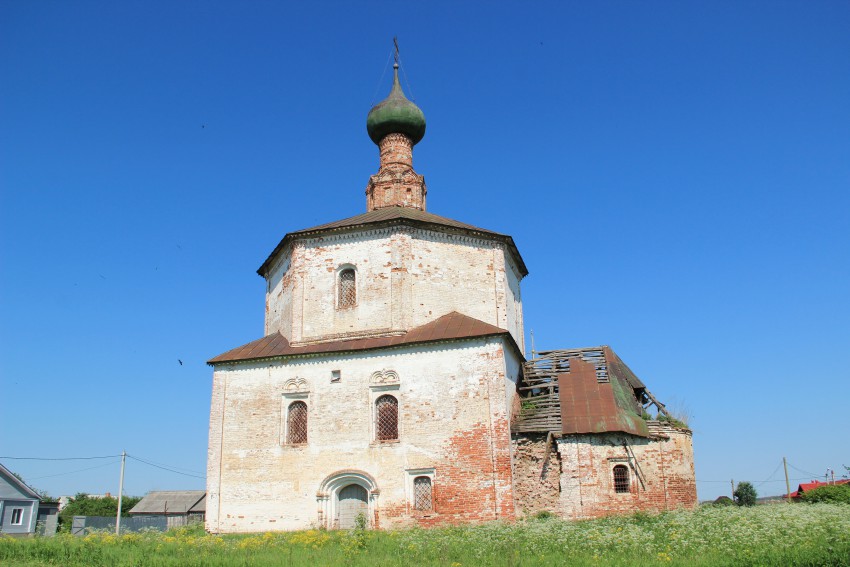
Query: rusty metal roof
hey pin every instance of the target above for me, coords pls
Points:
(396, 215)
(618, 368)
(591, 405)
(454, 326)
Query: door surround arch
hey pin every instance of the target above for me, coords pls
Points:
(327, 497)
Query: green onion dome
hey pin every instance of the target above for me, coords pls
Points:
(395, 114)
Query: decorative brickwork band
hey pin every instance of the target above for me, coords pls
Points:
(396, 184)
(396, 149)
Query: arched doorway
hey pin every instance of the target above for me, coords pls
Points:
(353, 502)
(346, 494)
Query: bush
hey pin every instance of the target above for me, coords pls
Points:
(836, 493)
(745, 494)
(84, 505)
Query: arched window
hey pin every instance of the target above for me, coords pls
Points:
(347, 288)
(621, 478)
(386, 418)
(296, 423)
(422, 493)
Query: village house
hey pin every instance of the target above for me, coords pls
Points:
(179, 507)
(391, 385)
(18, 505)
(804, 487)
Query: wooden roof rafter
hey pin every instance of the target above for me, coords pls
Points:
(540, 409)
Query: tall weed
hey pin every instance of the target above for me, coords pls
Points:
(779, 535)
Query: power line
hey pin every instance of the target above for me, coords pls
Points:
(59, 458)
(76, 471)
(164, 468)
(169, 468)
(771, 475)
(811, 475)
(184, 469)
(759, 481)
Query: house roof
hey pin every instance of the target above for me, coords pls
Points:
(396, 215)
(17, 483)
(453, 326)
(200, 506)
(597, 395)
(171, 502)
(809, 486)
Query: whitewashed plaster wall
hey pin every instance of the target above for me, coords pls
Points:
(405, 278)
(257, 482)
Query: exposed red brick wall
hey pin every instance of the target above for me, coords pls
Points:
(474, 475)
(396, 184)
(537, 476)
(665, 464)
(474, 482)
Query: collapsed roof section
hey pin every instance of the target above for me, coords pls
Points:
(589, 390)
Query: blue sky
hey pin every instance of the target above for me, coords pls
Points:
(675, 175)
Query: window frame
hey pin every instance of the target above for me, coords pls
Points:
(20, 513)
(410, 488)
(622, 485)
(377, 417)
(289, 409)
(344, 269)
(376, 390)
(301, 393)
(430, 507)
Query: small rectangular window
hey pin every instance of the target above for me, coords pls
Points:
(336, 375)
(422, 496)
(17, 516)
(621, 479)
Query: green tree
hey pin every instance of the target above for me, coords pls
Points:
(745, 494)
(84, 505)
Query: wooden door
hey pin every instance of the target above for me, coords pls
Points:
(353, 500)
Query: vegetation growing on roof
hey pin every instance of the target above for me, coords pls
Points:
(669, 419)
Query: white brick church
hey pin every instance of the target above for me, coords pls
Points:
(388, 383)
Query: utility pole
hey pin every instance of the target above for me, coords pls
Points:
(787, 484)
(733, 488)
(533, 355)
(120, 494)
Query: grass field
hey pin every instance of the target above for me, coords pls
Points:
(780, 535)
